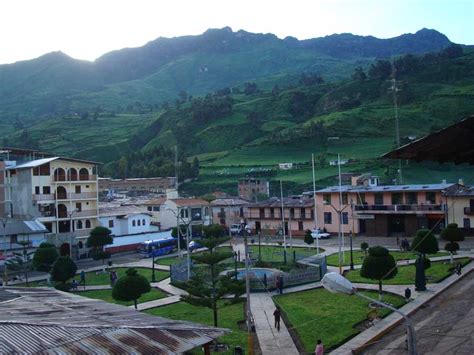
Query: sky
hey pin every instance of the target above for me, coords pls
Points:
(86, 29)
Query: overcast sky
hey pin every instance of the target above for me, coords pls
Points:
(86, 29)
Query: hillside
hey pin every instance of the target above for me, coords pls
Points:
(236, 133)
(56, 85)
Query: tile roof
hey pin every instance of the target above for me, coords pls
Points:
(287, 202)
(190, 202)
(229, 202)
(459, 190)
(387, 188)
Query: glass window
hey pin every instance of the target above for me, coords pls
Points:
(88, 223)
(327, 198)
(111, 223)
(143, 222)
(139, 222)
(79, 224)
(411, 198)
(328, 217)
(466, 223)
(430, 197)
(156, 208)
(378, 197)
(37, 190)
(46, 190)
(396, 198)
(344, 199)
(345, 218)
(149, 208)
(133, 223)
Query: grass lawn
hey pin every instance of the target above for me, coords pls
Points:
(174, 259)
(359, 256)
(94, 279)
(106, 295)
(227, 318)
(275, 253)
(406, 274)
(319, 314)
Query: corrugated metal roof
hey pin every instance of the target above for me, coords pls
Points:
(14, 226)
(47, 321)
(33, 163)
(287, 203)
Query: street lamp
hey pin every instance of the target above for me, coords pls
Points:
(339, 213)
(71, 231)
(5, 272)
(153, 278)
(336, 283)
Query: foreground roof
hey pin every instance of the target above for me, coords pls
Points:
(46, 321)
(460, 190)
(451, 144)
(14, 226)
(387, 188)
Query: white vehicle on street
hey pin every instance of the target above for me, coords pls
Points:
(318, 234)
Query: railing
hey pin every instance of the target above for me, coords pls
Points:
(82, 195)
(414, 208)
(43, 197)
(220, 214)
(88, 177)
(86, 213)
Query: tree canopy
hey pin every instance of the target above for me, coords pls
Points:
(379, 265)
(130, 287)
(425, 242)
(44, 257)
(63, 269)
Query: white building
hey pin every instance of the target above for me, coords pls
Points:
(285, 166)
(125, 220)
(186, 211)
(335, 162)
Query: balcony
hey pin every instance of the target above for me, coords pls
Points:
(85, 213)
(43, 197)
(468, 210)
(82, 178)
(220, 214)
(399, 208)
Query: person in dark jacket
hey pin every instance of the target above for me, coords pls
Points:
(277, 316)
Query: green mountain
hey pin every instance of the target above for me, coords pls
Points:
(56, 85)
(247, 131)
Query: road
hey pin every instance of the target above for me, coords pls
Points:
(444, 326)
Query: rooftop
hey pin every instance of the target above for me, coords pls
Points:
(460, 190)
(114, 210)
(387, 188)
(287, 202)
(189, 202)
(40, 320)
(229, 202)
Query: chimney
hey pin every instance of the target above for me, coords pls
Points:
(461, 182)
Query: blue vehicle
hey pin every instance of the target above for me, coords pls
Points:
(157, 247)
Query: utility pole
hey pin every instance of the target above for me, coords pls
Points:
(395, 89)
(341, 230)
(282, 216)
(315, 211)
(247, 291)
(176, 167)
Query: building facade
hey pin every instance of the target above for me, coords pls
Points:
(249, 189)
(156, 184)
(228, 211)
(185, 211)
(381, 210)
(265, 217)
(459, 201)
(125, 220)
(61, 193)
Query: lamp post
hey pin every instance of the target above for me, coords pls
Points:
(71, 231)
(153, 278)
(339, 213)
(5, 272)
(336, 283)
(350, 235)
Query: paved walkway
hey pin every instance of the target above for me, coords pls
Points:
(270, 339)
(157, 303)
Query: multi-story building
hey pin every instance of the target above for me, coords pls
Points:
(184, 211)
(156, 184)
(61, 193)
(459, 200)
(250, 188)
(381, 210)
(227, 211)
(266, 217)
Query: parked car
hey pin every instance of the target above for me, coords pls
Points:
(236, 229)
(318, 234)
(193, 245)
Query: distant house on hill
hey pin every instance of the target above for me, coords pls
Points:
(335, 162)
(285, 166)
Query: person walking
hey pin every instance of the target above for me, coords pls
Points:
(281, 284)
(319, 350)
(277, 316)
(83, 279)
(407, 294)
(458, 269)
(113, 278)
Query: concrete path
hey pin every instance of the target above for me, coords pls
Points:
(157, 303)
(271, 340)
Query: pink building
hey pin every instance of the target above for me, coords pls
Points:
(381, 210)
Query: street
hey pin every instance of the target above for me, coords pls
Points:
(444, 326)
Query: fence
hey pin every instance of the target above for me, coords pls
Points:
(179, 271)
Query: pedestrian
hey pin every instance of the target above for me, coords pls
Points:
(74, 285)
(265, 281)
(281, 284)
(319, 350)
(113, 278)
(399, 245)
(83, 279)
(458, 269)
(277, 316)
(407, 294)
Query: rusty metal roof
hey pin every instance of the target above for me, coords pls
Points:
(46, 321)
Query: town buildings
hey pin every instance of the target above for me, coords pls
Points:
(61, 193)
(459, 201)
(125, 220)
(375, 210)
(228, 211)
(251, 188)
(156, 184)
(266, 216)
(185, 211)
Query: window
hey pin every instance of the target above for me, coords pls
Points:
(156, 208)
(328, 217)
(302, 213)
(466, 223)
(111, 223)
(327, 198)
(361, 198)
(345, 218)
(79, 207)
(79, 224)
(272, 213)
(143, 222)
(300, 225)
(149, 208)
(46, 190)
(196, 214)
(411, 198)
(139, 222)
(430, 197)
(344, 199)
(88, 223)
(37, 190)
(292, 213)
(206, 211)
(77, 189)
(133, 223)
(397, 198)
(378, 197)
(184, 213)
